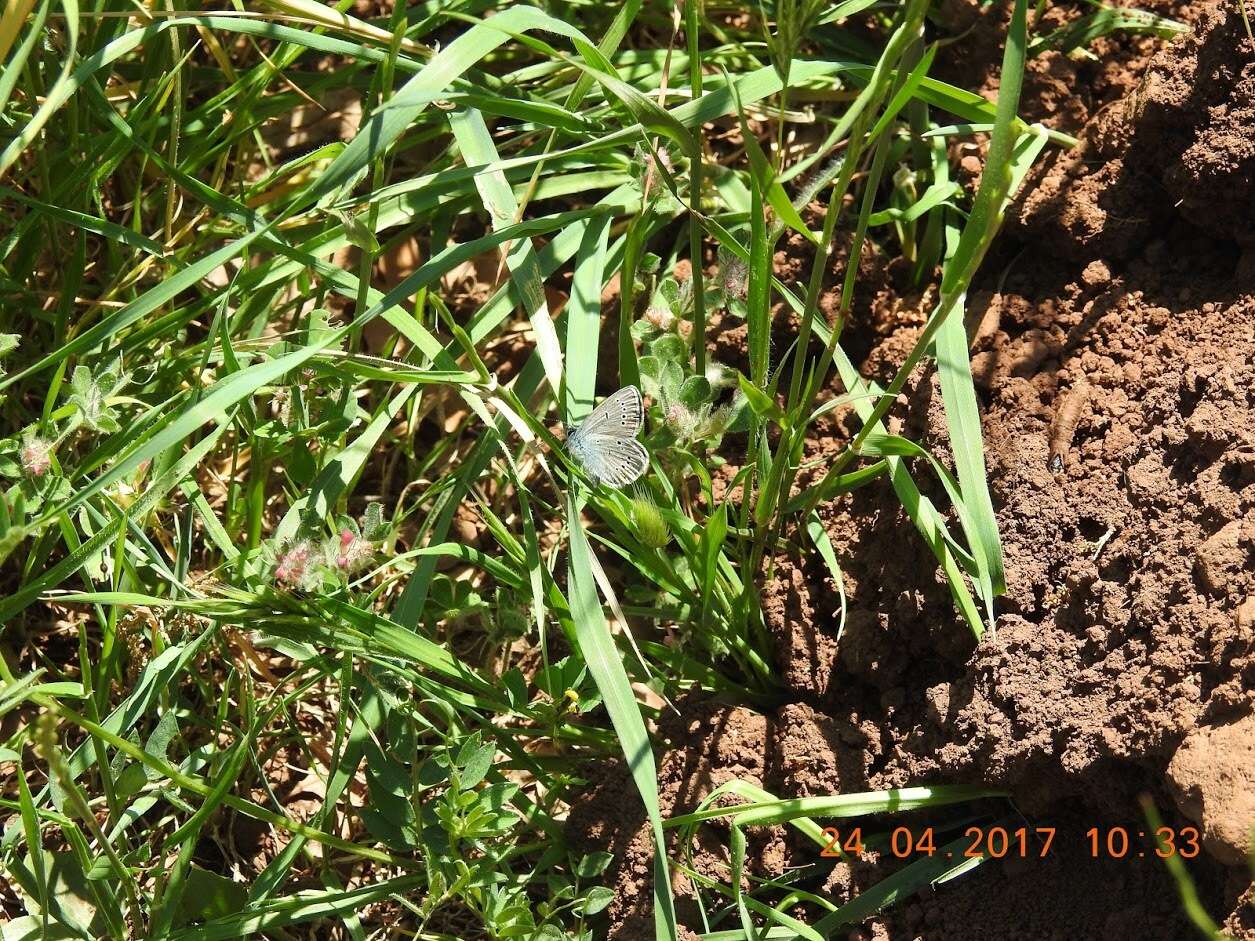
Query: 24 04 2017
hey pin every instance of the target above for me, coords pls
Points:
(999, 842)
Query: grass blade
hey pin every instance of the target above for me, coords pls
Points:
(597, 646)
(583, 321)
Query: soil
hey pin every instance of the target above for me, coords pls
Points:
(1115, 353)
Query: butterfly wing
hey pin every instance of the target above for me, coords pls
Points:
(613, 459)
(620, 415)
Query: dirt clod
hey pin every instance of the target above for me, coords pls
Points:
(1212, 777)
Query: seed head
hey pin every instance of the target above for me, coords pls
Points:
(650, 526)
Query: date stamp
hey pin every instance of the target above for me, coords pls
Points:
(997, 842)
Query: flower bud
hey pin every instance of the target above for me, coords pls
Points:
(354, 552)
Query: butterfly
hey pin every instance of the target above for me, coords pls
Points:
(605, 444)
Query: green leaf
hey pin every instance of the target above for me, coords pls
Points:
(38, 886)
(762, 405)
(159, 741)
(475, 759)
(34, 587)
(669, 348)
(71, 901)
(598, 898)
(651, 376)
(593, 865)
(672, 379)
(224, 783)
(695, 393)
(669, 289)
(132, 780)
(958, 392)
(920, 509)
(208, 896)
(313, 904)
(340, 470)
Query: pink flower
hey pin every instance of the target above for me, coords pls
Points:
(36, 456)
(293, 565)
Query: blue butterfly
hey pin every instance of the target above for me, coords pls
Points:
(605, 444)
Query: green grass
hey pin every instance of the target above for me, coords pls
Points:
(272, 519)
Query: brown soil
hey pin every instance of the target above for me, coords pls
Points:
(1122, 296)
